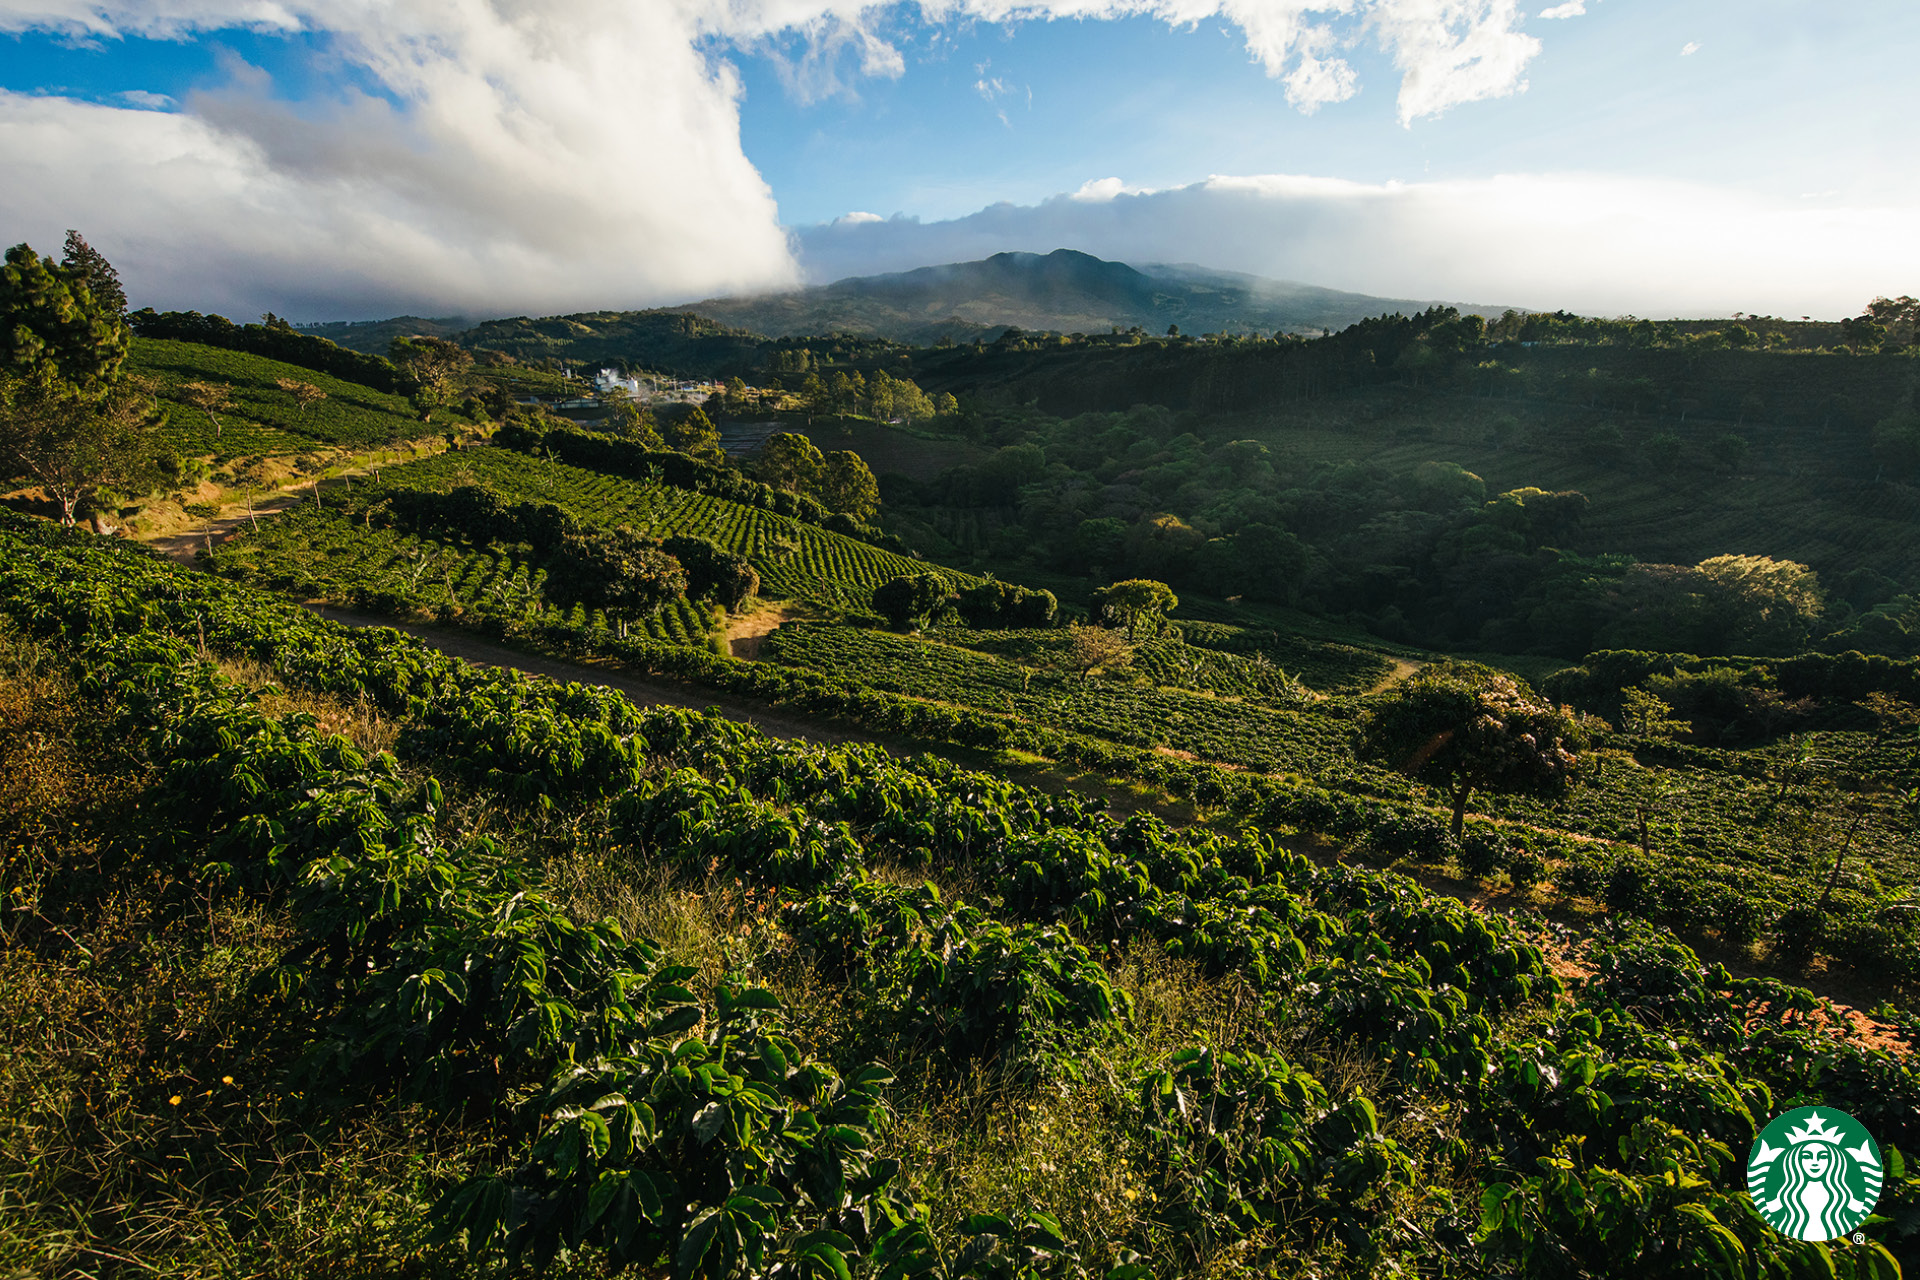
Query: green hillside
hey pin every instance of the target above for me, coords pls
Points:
(366, 960)
(265, 419)
(333, 552)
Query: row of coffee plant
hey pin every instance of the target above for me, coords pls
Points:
(1508, 1126)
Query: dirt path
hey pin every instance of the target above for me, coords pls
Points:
(746, 633)
(188, 543)
(646, 693)
(1402, 670)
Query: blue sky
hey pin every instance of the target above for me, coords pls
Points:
(1781, 97)
(364, 156)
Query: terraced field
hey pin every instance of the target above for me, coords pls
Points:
(794, 559)
(264, 418)
(326, 554)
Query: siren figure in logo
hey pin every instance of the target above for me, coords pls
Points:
(1813, 1193)
(1813, 1189)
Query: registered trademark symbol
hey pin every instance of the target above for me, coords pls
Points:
(1859, 1237)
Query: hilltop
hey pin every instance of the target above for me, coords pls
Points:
(1064, 291)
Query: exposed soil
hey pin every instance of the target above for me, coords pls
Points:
(746, 632)
(1403, 670)
(188, 543)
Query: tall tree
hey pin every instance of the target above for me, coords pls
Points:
(694, 433)
(437, 368)
(102, 280)
(790, 461)
(69, 421)
(1467, 728)
(1135, 603)
(847, 485)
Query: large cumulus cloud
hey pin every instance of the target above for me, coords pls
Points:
(542, 155)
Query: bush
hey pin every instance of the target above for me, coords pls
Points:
(1483, 850)
(1628, 890)
(1420, 836)
(1798, 935)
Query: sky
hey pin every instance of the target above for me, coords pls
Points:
(363, 158)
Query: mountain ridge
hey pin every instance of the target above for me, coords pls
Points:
(1064, 291)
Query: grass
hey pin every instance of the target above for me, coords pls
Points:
(145, 1123)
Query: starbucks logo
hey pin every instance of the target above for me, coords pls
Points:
(1815, 1174)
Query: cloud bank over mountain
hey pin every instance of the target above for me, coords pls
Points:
(1599, 245)
(542, 155)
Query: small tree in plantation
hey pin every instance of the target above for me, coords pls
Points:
(910, 599)
(1469, 728)
(437, 368)
(1136, 603)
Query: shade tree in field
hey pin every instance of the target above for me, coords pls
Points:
(1138, 604)
(437, 369)
(694, 433)
(304, 394)
(790, 461)
(720, 575)
(847, 485)
(1469, 728)
(210, 398)
(631, 421)
(910, 600)
(69, 419)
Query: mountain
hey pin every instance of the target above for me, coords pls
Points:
(375, 336)
(1066, 291)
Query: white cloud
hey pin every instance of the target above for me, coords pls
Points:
(1690, 48)
(1571, 9)
(541, 157)
(1104, 189)
(855, 218)
(141, 98)
(1453, 51)
(551, 154)
(1596, 244)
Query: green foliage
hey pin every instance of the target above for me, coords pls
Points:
(690, 1132)
(58, 334)
(267, 417)
(910, 600)
(1466, 727)
(1136, 603)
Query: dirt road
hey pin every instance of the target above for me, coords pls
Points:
(646, 693)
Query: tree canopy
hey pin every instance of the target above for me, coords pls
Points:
(910, 599)
(68, 421)
(1135, 603)
(1467, 727)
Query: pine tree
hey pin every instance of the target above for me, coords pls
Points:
(102, 280)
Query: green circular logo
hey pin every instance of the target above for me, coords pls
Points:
(1814, 1174)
